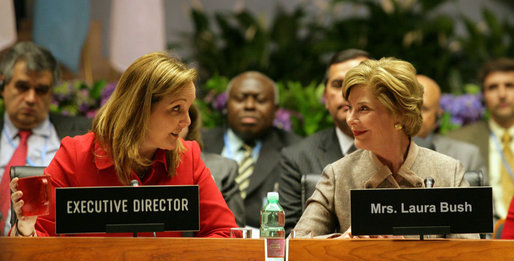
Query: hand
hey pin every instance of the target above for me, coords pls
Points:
(26, 225)
(348, 235)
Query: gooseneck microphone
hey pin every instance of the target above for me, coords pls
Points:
(429, 182)
(134, 183)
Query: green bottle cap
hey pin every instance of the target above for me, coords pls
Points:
(272, 196)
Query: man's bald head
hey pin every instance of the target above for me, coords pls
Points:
(431, 110)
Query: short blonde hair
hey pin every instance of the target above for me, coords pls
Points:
(122, 123)
(394, 84)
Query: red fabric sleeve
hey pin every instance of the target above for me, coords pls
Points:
(508, 226)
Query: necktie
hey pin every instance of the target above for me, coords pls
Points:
(18, 158)
(246, 166)
(506, 180)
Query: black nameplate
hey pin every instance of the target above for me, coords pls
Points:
(126, 209)
(421, 211)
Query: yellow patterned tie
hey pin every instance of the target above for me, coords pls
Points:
(246, 166)
(506, 180)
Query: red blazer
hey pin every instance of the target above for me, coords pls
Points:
(80, 162)
(508, 226)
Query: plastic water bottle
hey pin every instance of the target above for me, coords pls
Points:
(272, 228)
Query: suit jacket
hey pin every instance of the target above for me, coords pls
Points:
(309, 156)
(70, 125)
(267, 169)
(467, 153)
(328, 209)
(66, 125)
(477, 134)
(224, 172)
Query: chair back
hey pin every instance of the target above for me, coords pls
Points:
(23, 172)
(475, 178)
(309, 182)
(498, 229)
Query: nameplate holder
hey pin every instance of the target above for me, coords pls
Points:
(421, 211)
(127, 209)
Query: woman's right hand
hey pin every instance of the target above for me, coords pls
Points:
(25, 225)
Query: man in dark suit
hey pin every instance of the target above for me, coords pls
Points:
(323, 147)
(251, 139)
(27, 74)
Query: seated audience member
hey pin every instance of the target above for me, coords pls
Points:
(494, 136)
(223, 170)
(135, 135)
(251, 139)
(313, 153)
(467, 153)
(27, 75)
(385, 102)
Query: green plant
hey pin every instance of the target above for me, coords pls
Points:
(77, 98)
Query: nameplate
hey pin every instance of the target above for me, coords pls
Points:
(126, 209)
(421, 211)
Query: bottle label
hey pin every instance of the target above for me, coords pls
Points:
(275, 247)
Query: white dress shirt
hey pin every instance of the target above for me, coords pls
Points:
(41, 148)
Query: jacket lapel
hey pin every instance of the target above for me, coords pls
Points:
(269, 157)
(329, 147)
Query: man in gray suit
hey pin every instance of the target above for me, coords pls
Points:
(497, 81)
(251, 138)
(324, 147)
(467, 153)
(27, 74)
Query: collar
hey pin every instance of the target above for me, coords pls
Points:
(498, 130)
(234, 142)
(384, 173)
(103, 161)
(42, 129)
(345, 142)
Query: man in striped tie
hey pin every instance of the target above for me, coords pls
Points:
(251, 139)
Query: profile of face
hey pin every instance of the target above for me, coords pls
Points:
(370, 121)
(168, 118)
(251, 105)
(334, 101)
(498, 91)
(430, 110)
(27, 96)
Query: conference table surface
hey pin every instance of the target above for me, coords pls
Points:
(114, 249)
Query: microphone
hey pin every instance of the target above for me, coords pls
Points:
(134, 183)
(429, 182)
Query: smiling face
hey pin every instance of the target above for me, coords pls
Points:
(167, 119)
(251, 106)
(334, 101)
(27, 96)
(498, 91)
(370, 121)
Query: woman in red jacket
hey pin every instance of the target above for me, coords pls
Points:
(135, 135)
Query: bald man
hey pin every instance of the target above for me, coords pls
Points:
(466, 153)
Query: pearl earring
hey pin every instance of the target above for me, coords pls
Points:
(398, 126)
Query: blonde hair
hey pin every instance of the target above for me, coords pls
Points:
(122, 123)
(394, 84)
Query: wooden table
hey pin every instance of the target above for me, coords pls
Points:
(403, 249)
(114, 249)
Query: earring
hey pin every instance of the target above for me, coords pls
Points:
(398, 126)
